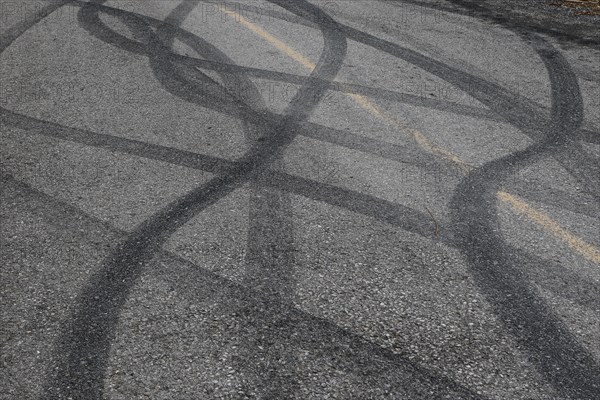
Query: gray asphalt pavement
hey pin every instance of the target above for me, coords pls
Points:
(309, 199)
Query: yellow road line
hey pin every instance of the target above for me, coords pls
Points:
(278, 44)
(587, 250)
(362, 101)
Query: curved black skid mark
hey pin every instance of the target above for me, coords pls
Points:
(127, 255)
(133, 147)
(562, 360)
(13, 33)
(351, 351)
(150, 233)
(556, 353)
(499, 100)
(87, 341)
(479, 10)
(403, 217)
(580, 134)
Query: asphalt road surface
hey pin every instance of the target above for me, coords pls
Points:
(296, 200)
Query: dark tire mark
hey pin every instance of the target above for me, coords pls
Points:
(514, 22)
(354, 353)
(555, 352)
(476, 235)
(270, 254)
(394, 214)
(118, 144)
(562, 360)
(559, 280)
(87, 341)
(556, 349)
(124, 254)
(533, 125)
(219, 96)
(385, 211)
(13, 33)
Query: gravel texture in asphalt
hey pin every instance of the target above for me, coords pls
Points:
(299, 200)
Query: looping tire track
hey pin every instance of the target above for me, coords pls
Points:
(564, 363)
(547, 341)
(88, 339)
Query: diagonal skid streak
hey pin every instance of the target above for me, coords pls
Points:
(89, 336)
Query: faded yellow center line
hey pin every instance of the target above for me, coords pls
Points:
(275, 42)
(418, 136)
(587, 250)
(362, 101)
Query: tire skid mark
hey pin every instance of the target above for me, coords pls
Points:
(13, 33)
(587, 250)
(444, 384)
(269, 266)
(572, 163)
(478, 10)
(403, 217)
(528, 190)
(87, 341)
(516, 111)
(59, 212)
(530, 120)
(357, 202)
(557, 354)
(477, 235)
(240, 110)
(566, 115)
(351, 351)
(312, 96)
(137, 148)
(269, 254)
(133, 46)
(564, 107)
(540, 119)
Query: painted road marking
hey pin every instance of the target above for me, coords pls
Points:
(579, 245)
(586, 249)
